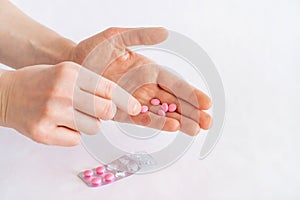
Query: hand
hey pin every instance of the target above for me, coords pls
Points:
(106, 53)
(51, 104)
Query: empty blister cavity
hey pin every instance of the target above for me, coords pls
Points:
(143, 159)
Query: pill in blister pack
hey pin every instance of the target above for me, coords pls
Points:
(111, 172)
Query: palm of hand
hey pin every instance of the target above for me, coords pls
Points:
(145, 80)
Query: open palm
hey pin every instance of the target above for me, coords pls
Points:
(107, 54)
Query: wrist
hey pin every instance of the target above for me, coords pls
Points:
(25, 42)
(55, 50)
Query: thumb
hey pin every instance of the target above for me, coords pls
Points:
(138, 36)
(120, 38)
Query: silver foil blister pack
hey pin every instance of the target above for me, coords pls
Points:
(118, 169)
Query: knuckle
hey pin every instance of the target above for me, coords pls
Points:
(108, 88)
(67, 68)
(107, 111)
(64, 81)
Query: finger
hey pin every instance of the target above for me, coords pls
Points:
(183, 107)
(139, 36)
(187, 125)
(127, 37)
(180, 88)
(100, 86)
(132, 36)
(205, 120)
(62, 136)
(79, 121)
(93, 105)
(140, 77)
(189, 111)
(104, 48)
(198, 116)
(149, 119)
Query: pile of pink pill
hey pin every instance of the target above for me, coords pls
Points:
(164, 107)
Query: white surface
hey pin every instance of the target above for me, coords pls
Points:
(255, 45)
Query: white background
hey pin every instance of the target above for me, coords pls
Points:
(256, 48)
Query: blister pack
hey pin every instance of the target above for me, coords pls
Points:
(118, 169)
(111, 172)
(143, 159)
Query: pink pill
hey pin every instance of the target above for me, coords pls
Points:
(164, 107)
(96, 181)
(100, 170)
(88, 173)
(155, 102)
(161, 113)
(172, 107)
(109, 177)
(144, 109)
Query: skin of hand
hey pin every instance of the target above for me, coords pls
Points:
(36, 44)
(107, 54)
(32, 42)
(51, 104)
